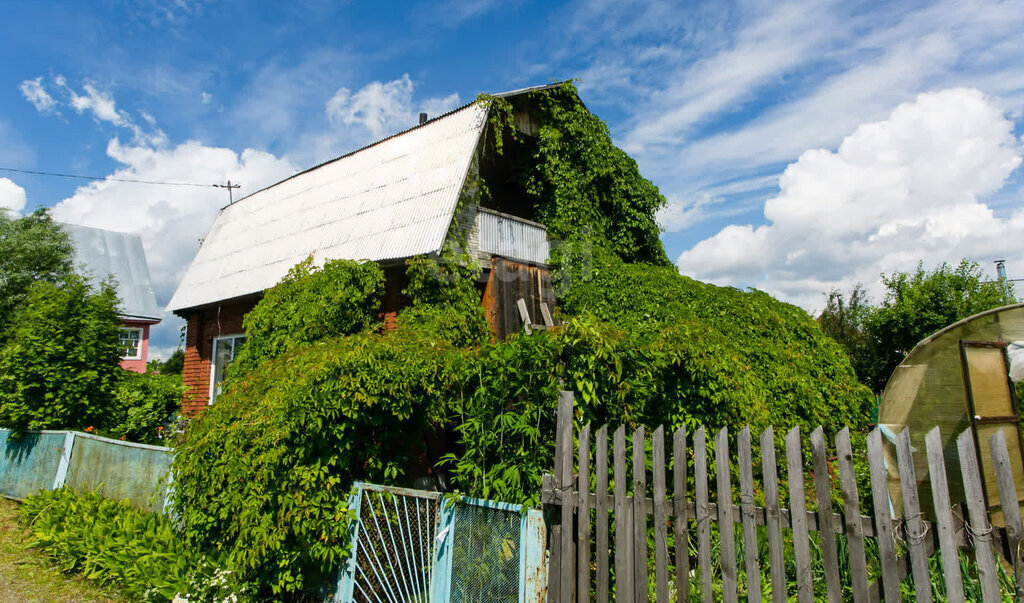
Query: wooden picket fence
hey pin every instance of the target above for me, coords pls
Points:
(581, 518)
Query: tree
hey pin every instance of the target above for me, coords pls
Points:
(174, 364)
(916, 304)
(844, 319)
(32, 248)
(60, 366)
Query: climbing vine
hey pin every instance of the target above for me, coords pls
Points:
(579, 183)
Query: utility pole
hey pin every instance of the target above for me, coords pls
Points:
(229, 186)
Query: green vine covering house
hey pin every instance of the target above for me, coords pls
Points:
(370, 307)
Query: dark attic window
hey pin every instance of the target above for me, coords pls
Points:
(505, 174)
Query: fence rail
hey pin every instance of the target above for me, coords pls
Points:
(625, 519)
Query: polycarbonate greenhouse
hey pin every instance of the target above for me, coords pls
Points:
(962, 377)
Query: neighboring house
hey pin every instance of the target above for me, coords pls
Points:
(105, 253)
(386, 202)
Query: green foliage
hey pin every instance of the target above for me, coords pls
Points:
(311, 303)
(445, 301)
(60, 367)
(32, 248)
(916, 305)
(265, 471)
(113, 543)
(735, 357)
(843, 319)
(174, 365)
(145, 406)
(582, 186)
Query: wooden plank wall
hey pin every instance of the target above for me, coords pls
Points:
(508, 282)
(611, 540)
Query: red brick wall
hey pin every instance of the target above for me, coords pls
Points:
(201, 328)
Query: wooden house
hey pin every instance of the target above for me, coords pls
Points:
(406, 195)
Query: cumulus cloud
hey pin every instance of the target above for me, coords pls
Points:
(908, 188)
(383, 107)
(35, 93)
(12, 196)
(170, 219)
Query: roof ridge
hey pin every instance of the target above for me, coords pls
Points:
(506, 94)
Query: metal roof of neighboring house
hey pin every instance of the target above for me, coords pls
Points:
(393, 199)
(104, 253)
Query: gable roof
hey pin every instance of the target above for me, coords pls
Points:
(104, 253)
(393, 199)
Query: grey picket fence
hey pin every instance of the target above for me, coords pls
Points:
(601, 534)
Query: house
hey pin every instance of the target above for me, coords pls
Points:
(406, 195)
(105, 253)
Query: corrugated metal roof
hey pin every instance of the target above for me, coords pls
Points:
(393, 199)
(105, 253)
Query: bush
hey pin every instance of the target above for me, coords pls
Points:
(445, 301)
(60, 367)
(311, 303)
(115, 544)
(146, 406)
(266, 471)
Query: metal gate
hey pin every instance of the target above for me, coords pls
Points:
(418, 546)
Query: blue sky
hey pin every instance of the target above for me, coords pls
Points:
(801, 145)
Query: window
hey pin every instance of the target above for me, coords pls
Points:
(130, 339)
(224, 351)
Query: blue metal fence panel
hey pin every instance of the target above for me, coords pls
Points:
(120, 470)
(477, 550)
(29, 464)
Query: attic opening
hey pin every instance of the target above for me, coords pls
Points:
(506, 173)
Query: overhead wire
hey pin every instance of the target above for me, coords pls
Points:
(111, 178)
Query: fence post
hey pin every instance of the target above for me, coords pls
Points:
(1009, 505)
(915, 530)
(944, 517)
(979, 527)
(65, 460)
(563, 483)
(798, 516)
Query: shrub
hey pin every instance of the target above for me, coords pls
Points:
(311, 303)
(116, 544)
(146, 405)
(266, 471)
(445, 301)
(60, 367)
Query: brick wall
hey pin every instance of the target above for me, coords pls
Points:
(201, 327)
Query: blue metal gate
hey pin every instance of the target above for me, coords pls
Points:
(418, 546)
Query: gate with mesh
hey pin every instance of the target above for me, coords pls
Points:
(418, 546)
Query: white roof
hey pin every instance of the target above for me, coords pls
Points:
(393, 199)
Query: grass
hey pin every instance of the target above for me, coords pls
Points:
(27, 576)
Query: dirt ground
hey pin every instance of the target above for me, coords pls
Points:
(26, 576)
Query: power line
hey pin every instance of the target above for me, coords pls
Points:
(227, 186)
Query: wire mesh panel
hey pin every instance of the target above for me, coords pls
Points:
(394, 551)
(485, 555)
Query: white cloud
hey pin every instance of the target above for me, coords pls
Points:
(679, 215)
(12, 196)
(383, 107)
(908, 188)
(35, 93)
(170, 219)
(205, 97)
(101, 104)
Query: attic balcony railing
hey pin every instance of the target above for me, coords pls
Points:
(512, 237)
